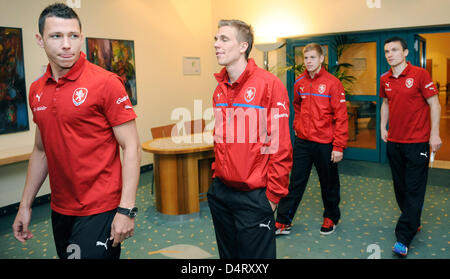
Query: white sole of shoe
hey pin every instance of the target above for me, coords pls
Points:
(283, 232)
(327, 233)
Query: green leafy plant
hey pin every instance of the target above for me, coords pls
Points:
(340, 43)
(291, 65)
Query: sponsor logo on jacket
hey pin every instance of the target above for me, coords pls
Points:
(121, 100)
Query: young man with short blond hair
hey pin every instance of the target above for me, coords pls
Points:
(252, 162)
(321, 133)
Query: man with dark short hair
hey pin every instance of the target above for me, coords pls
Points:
(411, 105)
(80, 127)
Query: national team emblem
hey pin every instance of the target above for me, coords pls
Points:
(322, 88)
(409, 82)
(79, 96)
(250, 94)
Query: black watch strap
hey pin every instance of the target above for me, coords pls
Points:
(130, 212)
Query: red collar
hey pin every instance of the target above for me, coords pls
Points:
(316, 76)
(404, 72)
(222, 76)
(74, 72)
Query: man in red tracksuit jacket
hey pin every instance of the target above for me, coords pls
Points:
(321, 128)
(253, 151)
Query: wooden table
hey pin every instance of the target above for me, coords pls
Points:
(182, 171)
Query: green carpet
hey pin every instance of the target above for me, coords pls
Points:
(368, 217)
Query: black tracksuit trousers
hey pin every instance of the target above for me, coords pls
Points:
(306, 153)
(243, 222)
(409, 167)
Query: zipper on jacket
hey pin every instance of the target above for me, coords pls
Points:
(310, 107)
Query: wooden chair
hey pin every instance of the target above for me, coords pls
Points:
(164, 131)
(194, 126)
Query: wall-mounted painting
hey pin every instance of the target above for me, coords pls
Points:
(13, 94)
(116, 56)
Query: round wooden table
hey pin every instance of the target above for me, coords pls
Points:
(182, 171)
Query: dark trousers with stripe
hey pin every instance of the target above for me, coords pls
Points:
(409, 167)
(243, 222)
(306, 153)
(84, 237)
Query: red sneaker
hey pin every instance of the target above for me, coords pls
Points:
(328, 227)
(282, 228)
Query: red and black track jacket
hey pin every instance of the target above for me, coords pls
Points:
(320, 109)
(251, 136)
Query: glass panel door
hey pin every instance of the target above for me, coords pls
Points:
(359, 75)
(420, 48)
(362, 61)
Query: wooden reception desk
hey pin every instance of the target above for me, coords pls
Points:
(182, 171)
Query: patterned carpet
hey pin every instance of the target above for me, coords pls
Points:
(366, 230)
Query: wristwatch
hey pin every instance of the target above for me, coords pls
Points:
(130, 212)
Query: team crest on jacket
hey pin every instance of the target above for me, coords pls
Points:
(250, 94)
(322, 88)
(79, 96)
(409, 82)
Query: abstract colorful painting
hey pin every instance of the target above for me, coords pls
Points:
(13, 94)
(116, 56)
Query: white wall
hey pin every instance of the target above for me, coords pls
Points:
(293, 18)
(281, 19)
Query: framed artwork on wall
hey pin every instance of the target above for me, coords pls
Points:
(13, 94)
(116, 56)
(191, 65)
